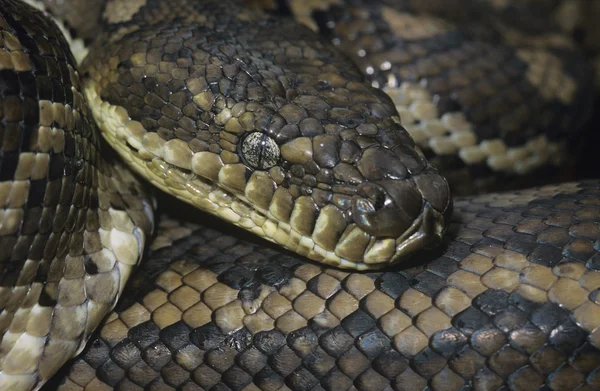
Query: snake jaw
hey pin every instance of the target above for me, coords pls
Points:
(411, 222)
(390, 216)
(427, 231)
(344, 186)
(379, 214)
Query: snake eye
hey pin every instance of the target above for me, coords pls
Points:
(260, 151)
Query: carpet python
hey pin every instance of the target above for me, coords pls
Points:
(310, 238)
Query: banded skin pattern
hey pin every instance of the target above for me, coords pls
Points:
(490, 97)
(577, 18)
(278, 134)
(509, 302)
(265, 124)
(72, 224)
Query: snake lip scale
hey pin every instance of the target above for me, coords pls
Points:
(339, 132)
(414, 196)
(401, 234)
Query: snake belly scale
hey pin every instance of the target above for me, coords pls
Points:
(330, 154)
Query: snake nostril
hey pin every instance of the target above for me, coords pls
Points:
(375, 196)
(385, 208)
(379, 201)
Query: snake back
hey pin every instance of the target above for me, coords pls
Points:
(72, 225)
(317, 127)
(495, 99)
(509, 302)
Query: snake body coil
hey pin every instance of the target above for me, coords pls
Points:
(510, 302)
(254, 118)
(72, 225)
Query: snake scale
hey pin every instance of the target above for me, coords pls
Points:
(308, 234)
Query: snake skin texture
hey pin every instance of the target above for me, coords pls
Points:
(577, 18)
(509, 302)
(320, 139)
(72, 224)
(279, 135)
(490, 97)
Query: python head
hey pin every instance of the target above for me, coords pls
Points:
(264, 125)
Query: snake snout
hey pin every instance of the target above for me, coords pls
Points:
(386, 208)
(402, 198)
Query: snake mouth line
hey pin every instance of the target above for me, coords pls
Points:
(203, 180)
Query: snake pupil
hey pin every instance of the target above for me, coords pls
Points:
(260, 151)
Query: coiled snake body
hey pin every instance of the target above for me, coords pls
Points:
(254, 118)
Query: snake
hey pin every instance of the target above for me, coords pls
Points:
(257, 195)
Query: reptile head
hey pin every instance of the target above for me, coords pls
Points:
(271, 129)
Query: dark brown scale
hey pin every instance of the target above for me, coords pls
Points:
(460, 335)
(51, 177)
(291, 82)
(578, 22)
(469, 67)
(487, 335)
(50, 85)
